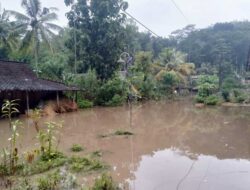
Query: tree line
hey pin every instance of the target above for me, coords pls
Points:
(98, 32)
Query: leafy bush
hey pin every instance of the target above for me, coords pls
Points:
(226, 95)
(105, 183)
(241, 98)
(78, 164)
(207, 86)
(212, 100)
(112, 93)
(169, 82)
(200, 99)
(117, 100)
(143, 86)
(76, 148)
(3, 170)
(83, 104)
(231, 83)
(50, 182)
(88, 83)
(44, 163)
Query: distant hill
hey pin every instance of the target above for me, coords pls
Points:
(204, 45)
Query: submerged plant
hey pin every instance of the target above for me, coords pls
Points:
(123, 133)
(77, 148)
(117, 133)
(9, 108)
(36, 115)
(13, 148)
(105, 182)
(47, 138)
(78, 164)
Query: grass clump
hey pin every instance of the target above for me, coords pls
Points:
(49, 182)
(96, 154)
(58, 180)
(105, 182)
(77, 148)
(79, 164)
(117, 133)
(123, 133)
(45, 163)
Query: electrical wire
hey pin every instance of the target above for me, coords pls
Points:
(143, 25)
(179, 9)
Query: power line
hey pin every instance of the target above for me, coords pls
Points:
(178, 8)
(143, 25)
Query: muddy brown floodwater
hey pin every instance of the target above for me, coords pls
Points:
(175, 146)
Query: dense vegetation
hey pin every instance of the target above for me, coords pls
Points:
(86, 53)
(104, 54)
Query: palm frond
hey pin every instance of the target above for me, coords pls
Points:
(45, 37)
(49, 17)
(19, 16)
(28, 40)
(50, 33)
(26, 4)
(53, 26)
(36, 7)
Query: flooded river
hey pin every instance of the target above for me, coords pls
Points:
(174, 147)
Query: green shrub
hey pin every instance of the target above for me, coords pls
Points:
(24, 184)
(117, 100)
(200, 99)
(76, 148)
(112, 93)
(231, 83)
(3, 170)
(226, 95)
(78, 164)
(212, 100)
(83, 104)
(49, 182)
(241, 98)
(105, 183)
(236, 93)
(144, 86)
(168, 82)
(44, 163)
(88, 83)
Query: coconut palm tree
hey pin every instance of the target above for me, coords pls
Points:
(173, 61)
(36, 25)
(8, 34)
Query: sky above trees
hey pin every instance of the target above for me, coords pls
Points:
(162, 16)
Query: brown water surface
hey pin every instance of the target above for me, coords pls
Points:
(175, 146)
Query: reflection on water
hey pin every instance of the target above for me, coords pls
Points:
(175, 146)
(169, 169)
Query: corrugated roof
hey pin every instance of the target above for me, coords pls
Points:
(19, 76)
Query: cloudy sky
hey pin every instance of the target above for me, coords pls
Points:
(163, 17)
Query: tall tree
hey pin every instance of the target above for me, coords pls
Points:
(36, 25)
(8, 35)
(97, 34)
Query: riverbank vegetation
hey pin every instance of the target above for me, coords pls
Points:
(103, 53)
(86, 54)
(20, 170)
